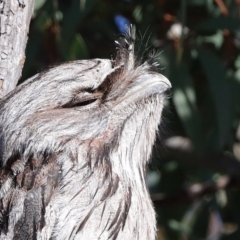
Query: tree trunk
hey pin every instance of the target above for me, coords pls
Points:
(15, 16)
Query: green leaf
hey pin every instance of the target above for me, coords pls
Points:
(216, 39)
(73, 16)
(185, 102)
(78, 49)
(38, 4)
(214, 24)
(216, 75)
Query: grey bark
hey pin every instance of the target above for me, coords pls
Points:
(15, 16)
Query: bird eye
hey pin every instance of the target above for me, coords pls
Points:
(82, 100)
(78, 104)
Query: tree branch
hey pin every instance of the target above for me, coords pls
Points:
(194, 192)
(15, 16)
(182, 151)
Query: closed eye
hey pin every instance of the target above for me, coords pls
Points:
(78, 104)
(81, 101)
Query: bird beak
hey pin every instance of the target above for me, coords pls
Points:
(166, 82)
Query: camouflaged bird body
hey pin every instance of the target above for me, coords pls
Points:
(74, 144)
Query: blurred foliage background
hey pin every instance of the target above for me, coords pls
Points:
(194, 177)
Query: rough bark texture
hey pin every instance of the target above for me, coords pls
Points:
(15, 16)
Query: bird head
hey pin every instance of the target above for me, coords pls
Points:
(100, 103)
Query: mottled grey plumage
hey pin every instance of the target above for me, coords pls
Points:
(75, 141)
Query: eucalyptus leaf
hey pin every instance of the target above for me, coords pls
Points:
(185, 102)
(216, 75)
(78, 49)
(214, 24)
(38, 4)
